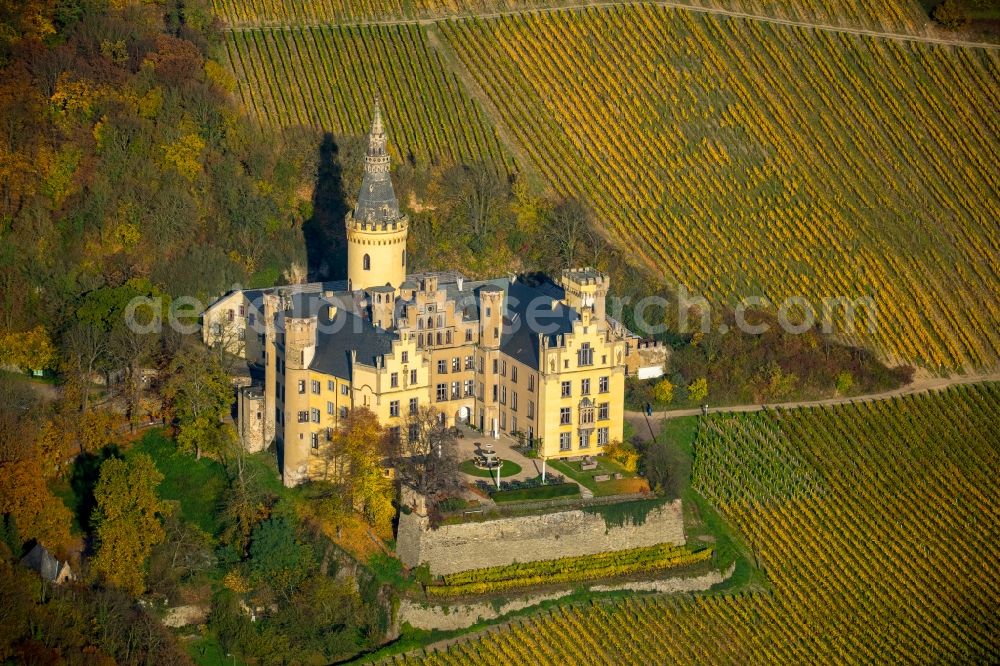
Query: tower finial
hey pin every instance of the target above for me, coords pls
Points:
(377, 118)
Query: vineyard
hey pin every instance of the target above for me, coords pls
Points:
(901, 16)
(877, 525)
(327, 78)
(744, 158)
(569, 569)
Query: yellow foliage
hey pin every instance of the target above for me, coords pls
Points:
(151, 103)
(235, 581)
(184, 155)
(220, 76)
(28, 350)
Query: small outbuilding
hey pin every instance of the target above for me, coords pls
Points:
(48, 567)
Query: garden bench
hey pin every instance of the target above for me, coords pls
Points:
(602, 477)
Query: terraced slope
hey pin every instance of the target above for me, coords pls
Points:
(327, 77)
(740, 158)
(878, 526)
(900, 15)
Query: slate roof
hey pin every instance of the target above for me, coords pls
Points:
(530, 312)
(345, 332)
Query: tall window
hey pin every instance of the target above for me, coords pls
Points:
(602, 411)
(442, 367)
(442, 392)
(585, 438)
(586, 412)
(565, 441)
(366, 263)
(394, 379)
(394, 408)
(584, 387)
(413, 376)
(602, 385)
(602, 436)
(413, 405)
(567, 389)
(564, 415)
(585, 355)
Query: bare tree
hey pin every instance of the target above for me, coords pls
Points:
(427, 459)
(130, 349)
(477, 194)
(568, 227)
(84, 346)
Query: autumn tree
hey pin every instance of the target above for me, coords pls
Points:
(127, 521)
(366, 486)
(427, 460)
(200, 395)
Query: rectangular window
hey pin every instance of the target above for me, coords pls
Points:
(469, 384)
(405, 357)
(303, 416)
(531, 409)
(603, 385)
(330, 385)
(413, 376)
(602, 411)
(394, 434)
(584, 439)
(513, 423)
(329, 408)
(442, 392)
(344, 390)
(343, 412)
(413, 432)
(565, 441)
(316, 386)
(587, 414)
(495, 393)
(602, 436)
(564, 415)
(470, 362)
(394, 408)
(442, 367)
(503, 368)
(481, 361)
(567, 389)
(394, 380)
(496, 366)
(468, 335)
(314, 440)
(414, 405)
(513, 401)
(456, 364)
(513, 374)
(456, 390)
(302, 386)
(314, 414)
(585, 355)
(531, 382)
(584, 387)
(481, 390)
(503, 395)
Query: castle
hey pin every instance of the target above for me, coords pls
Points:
(539, 361)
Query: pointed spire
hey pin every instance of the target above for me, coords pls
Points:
(377, 119)
(377, 200)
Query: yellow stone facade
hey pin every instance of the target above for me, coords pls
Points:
(536, 361)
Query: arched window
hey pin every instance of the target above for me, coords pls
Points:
(420, 340)
(366, 263)
(404, 259)
(430, 322)
(447, 337)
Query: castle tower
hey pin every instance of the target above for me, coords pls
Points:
(376, 230)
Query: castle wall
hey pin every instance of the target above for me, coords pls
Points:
(453, 548)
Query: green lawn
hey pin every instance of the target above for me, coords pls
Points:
(629, 483)
(540, 493)
(508, 468)
(197, 485)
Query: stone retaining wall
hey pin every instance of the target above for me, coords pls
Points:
(461, 615)
(453, 548)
